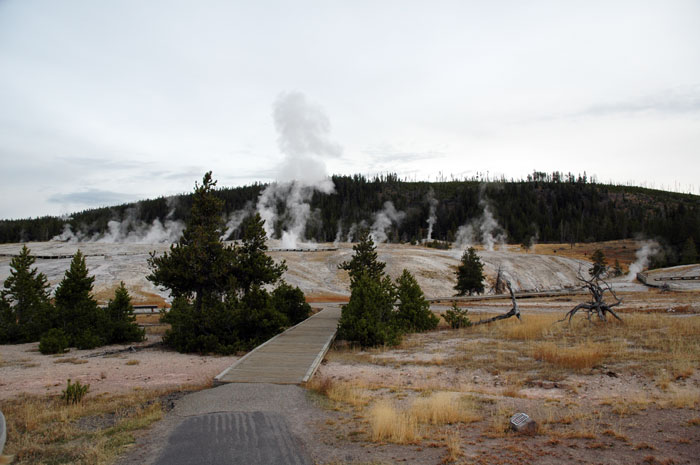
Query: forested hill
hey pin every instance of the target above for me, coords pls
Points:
(549, 208)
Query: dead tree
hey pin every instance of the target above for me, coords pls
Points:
(597, 286)
(514, 311)
(500, 282)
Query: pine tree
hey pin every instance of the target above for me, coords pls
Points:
(364, 260)
(413, 310)
(122, 322)
(77, 312)
(600, 264)
(220, 293)
(27, 294)
(198, 266)
(252, 266)
(470, 274)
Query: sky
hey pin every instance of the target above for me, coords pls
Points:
(109, 102)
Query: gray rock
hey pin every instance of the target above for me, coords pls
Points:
(522, 423)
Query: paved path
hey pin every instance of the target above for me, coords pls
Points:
(291, 357)
(256, 416)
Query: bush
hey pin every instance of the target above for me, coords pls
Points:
(290, 302)
(74, 393)
(457, 317)
(54, 341)
(88, 340)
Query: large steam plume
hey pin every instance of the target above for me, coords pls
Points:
(647, 250)
(383, 220)
(303, 137)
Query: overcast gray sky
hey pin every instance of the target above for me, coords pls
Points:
(103, 102)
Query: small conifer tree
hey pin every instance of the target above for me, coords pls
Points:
(26, 292)
(364, 260)
(470, 274)
(77, 312)
(122, 322)
(413, 310)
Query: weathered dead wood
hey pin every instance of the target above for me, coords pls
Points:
(514, 311)
(597, 286)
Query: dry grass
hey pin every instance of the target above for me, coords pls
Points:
(444, 408)
(579, 357)
(352, 393)
(392, 425)
(683, 398)
(72, 360)
(46, 430)
(453, 446)
(133, 362)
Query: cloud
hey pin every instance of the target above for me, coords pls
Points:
(92, 198)
(674, 101)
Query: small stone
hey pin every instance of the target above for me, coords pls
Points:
(522, 423)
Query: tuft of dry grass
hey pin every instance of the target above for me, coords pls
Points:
(347, 392)
(579, 357)
(454, 448)
(72, 360)
(684, 398)
(133, 362)
(392, 425)
(444, 408)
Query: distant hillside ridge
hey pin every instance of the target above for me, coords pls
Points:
(542, 208)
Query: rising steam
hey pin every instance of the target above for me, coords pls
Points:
(647, 250)
(303, 132)
(130, 229)
(383, 220)
(432, 215)
(484, 230)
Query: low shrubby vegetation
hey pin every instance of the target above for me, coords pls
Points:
(73, 319)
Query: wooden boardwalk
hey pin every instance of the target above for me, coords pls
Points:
(291, 357)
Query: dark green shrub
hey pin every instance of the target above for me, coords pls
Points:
(457, 317)
(413, 310)
(54, 341)
(122, 322)
(74, 393)
(88, 340)
(368, 318)
(290, 302)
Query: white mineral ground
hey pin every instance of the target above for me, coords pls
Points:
(316, 273)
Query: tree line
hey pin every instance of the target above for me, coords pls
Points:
(556, 207)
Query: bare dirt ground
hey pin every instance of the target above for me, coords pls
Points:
(107, 369)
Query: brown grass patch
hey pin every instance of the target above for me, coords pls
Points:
(579, 357)
(46, 430)
(392, 425)
(444, 408)
(72, 360)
